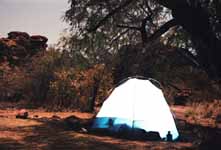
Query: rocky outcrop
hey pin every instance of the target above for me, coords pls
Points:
(19, 46)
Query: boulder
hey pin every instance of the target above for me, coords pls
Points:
(22, 114)
(39, 38)
(73, 122)
(18, 34)
(35, 116)
(55, 117)
(21, 38)
(38, 41)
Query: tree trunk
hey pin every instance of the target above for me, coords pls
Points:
(195, 20)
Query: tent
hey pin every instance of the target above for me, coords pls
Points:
(136, 104)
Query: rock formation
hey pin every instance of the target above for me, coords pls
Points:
(19, 46)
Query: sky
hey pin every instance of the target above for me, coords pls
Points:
(36, 17)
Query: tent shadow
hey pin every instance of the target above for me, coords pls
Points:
(83, 126)
(202, 137)
(8, 143)
(138, 135)
(58, 134)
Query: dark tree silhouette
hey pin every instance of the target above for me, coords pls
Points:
(202, 20)
(111, 24)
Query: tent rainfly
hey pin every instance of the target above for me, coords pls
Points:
(137, 104)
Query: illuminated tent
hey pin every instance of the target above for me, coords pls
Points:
(136, 104)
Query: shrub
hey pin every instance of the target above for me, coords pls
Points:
(61, 92)
(204, 110)
(12, 82)
(41, 71)
(79, 89)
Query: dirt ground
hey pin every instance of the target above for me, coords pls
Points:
(47, 131)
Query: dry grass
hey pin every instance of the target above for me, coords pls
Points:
(204, 112)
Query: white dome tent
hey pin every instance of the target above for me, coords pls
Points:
(136, 103)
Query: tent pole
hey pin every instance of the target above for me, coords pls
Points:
(133, 109)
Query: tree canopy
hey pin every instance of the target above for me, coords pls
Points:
(100, 27)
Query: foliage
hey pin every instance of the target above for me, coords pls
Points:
(179, 38)
(41, 72)
(101, 27)
(12, 82)
(56, 79)
(167, 65)
(78, 58)
(124, 27)
(79, 89)
(61, 93)
(204, 111)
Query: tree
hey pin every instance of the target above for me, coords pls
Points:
(201, 19)
(100, 28)
(104, 26)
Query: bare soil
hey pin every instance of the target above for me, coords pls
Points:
(47, 131)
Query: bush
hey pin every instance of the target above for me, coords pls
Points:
(41, 71)
(79, 89)
(12, 82)
(61, 92)
(51, 79)
(204, 110)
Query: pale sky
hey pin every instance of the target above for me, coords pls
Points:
(41, 17)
